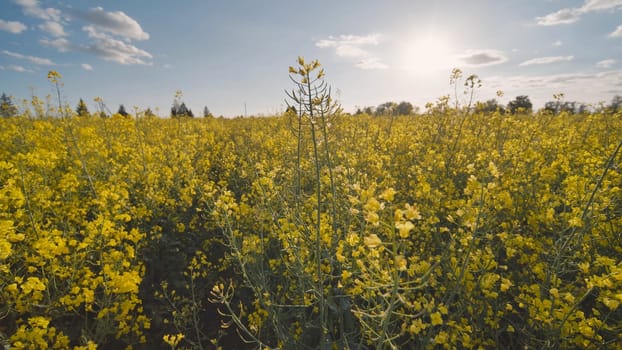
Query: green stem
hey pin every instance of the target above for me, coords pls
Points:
(318, 237)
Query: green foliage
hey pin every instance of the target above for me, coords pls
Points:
(149, 113)
(389, 108)
(207, 113)
(179, 108)
(489, 106)
(122, 111)
(616, 104)
(521, 104)
(181, 111)
(7, 108)
(82, 110)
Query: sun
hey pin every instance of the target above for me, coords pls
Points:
(426, 52)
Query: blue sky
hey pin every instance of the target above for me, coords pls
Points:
(230, 54)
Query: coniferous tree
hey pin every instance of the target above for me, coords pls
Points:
(82, 110)
(122, 111)
(180, 110)
(207, 113)
(7, 108)
(174, 109)
(183, 110)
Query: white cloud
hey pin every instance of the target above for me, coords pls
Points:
(102, 25)
(350, 51)
(349, 40)
(601, 5)
(60, 44)
(558, 43)
(483, 57)
(581, 86)
(573, 14)
(103, 46)
(32, 8)
(86, 66)
(371, 63)
(606, 63)
(53, 28)
(617, 33)
(31, 59)
(117, 23)
(92, 32)
(563, 16)
(351, 46)
(53, 18)
(111, 49)
(12, 26)
(546, 60)
(18, 68)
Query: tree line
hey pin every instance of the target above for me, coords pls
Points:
(178, 109)
(519, 104)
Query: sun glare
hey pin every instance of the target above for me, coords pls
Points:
(427, 53)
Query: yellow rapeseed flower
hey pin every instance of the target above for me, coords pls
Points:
(372, 241)
(411, 212)
(441, 338)
(401, 262)
(436, 319)
(388, 194)
(5, 249)
(404, 228)
(417, 326)
(173, 339)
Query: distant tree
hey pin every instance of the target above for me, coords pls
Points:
(571, 107)
(291, 110)
(552, 107)
(183, 110)
(7, 108)
(175, 108)
(489, 106)
(180, 110)
(365, 110)
(149, 113)
(616, 103)
(208, 114)
(404, 108)
(387, 108)
(521, 103)
(122, 111)
(81, 109)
